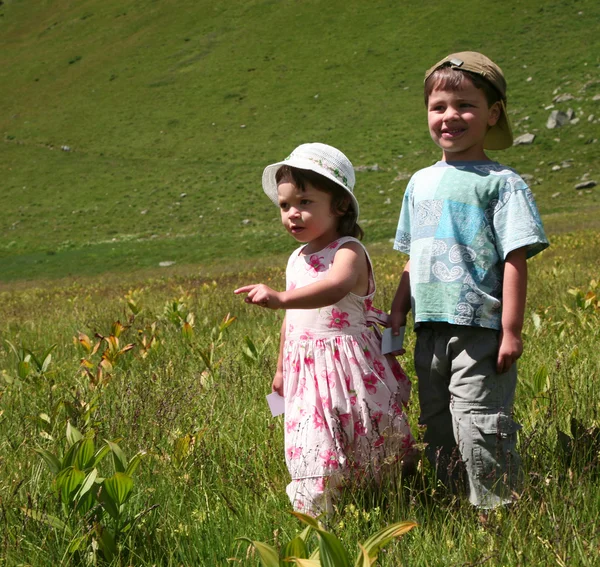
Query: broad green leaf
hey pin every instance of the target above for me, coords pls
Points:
(119, 458)
(51, 460)
(51, 521)
(68, 482)
(331, 550)
(106, 542)
(108, 503)
(308, 562)
(268, 554)
(101, 453)
(381, 538)
(87, 484)
(134, 463)
(118, 487)
(84, 457)
(76, 543)
(295, 548)
(23, 369)
(69, 456)
(86, 503)
(309, 520)
(363, 559)
(73, 434)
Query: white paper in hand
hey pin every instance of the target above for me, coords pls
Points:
(392, 343)
(276, 404)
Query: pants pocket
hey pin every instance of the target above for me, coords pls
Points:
(494, 448)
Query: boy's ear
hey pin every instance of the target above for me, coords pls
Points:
(494, 113)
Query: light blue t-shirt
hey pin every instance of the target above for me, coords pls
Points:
(458, 223)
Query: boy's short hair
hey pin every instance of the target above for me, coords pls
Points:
(451, 72)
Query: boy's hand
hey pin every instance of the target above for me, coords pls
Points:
(397, 319)
(511, 348)
(263, 295)
(277, 385)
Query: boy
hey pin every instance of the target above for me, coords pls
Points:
(469, 224)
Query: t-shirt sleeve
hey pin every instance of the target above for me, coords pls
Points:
(516, 221)
(403, 232)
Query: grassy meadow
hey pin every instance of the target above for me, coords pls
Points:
(171, 110)
(135, 133)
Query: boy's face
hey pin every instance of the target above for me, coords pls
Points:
(459, 120)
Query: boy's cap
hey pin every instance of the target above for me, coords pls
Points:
(499, 136)
(320, 158)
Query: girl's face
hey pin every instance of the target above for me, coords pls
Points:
(306, 214)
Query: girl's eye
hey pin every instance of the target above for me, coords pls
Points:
(283, 206)
(304, 202)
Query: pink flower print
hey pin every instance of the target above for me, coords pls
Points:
(306, 335)
(309, 361)
(398, 372)
(336, 353)
(352, 399)
(379, 441)
(370, 383)
(344, 419)
(295, 367)
(359, 429)
(326, 402)
(315, 265)
(339, 319)
(290, 328)
(333, 245)
(348, 381)
(407, 442)
(291, 425)
(353, 361)
(376, 416)
(368, 304)
(379, 367)
(291, 286)
(293, 452)
(318, 421)
(329, 459)
(320, 484)
(329, 377)
(367, 353)
(396, 409)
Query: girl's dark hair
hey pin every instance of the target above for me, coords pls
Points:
(452, 79)
(341, 203)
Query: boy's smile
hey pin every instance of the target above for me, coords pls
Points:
(459, 120)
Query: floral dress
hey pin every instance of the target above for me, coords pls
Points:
(344, 400)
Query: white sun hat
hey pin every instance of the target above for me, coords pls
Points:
(320, 158)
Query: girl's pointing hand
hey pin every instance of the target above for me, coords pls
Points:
(262, 295)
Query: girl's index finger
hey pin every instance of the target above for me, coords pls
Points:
(245, 289)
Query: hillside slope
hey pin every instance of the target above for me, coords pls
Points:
(166, 113)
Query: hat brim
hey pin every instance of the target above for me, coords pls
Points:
(269, 181)
(499, 136)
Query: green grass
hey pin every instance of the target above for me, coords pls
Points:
(232, 481)
(151, 98)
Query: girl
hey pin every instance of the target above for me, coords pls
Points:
(344, 400)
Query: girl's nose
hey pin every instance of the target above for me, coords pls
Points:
(294, 212)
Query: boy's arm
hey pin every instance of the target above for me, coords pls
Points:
(401, 302)
(514, 293)
(277, 385)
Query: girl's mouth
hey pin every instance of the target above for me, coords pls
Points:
(296, 229)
